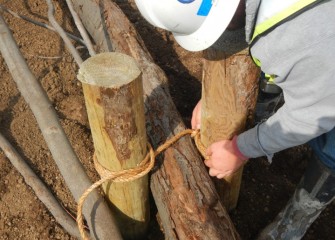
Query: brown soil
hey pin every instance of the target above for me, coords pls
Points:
(265, 188)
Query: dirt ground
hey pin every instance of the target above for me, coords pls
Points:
(265, 188)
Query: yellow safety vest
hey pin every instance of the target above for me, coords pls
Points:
(277, 19)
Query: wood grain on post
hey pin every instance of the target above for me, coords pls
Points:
(113, 91)
(228, 98)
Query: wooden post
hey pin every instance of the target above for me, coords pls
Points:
(113, 91)
(229, 91)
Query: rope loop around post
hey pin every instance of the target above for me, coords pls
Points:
(132, 174)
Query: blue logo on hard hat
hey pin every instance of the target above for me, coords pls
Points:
(205, 7)
(186, 1)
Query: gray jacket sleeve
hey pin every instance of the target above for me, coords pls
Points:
(301, 53)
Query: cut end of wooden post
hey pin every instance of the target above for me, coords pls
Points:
(108, 70)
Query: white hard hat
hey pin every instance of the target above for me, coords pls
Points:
(195, 24)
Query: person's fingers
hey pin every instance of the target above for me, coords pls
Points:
(229, 173)
(209, 151)
(208, 163)
(221, 175)
(193, 122)
(213, 172)
(225, 174)
(196, 116)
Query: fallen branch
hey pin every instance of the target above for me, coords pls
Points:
(185, 196)
(40, 24)
(96, 211)
(41, 191)
(61, 32)
(81, 28)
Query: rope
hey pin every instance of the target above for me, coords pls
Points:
(133, 173)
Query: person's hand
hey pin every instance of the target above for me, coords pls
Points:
(196, 116)
(224, 158)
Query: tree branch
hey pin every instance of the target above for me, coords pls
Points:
(61, 32)
(40, 24)
(81, 28)
(41, 191)
(96, 211)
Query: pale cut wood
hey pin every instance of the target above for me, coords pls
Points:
(113, 91)
(187, 202)
(229, 92)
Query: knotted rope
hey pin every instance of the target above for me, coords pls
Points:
(133, 173)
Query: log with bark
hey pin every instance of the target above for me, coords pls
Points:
(187, 202)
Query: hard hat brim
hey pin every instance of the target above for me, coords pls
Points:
(212, 28)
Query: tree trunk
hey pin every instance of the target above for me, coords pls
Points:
(188, 204)
(229, 91)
